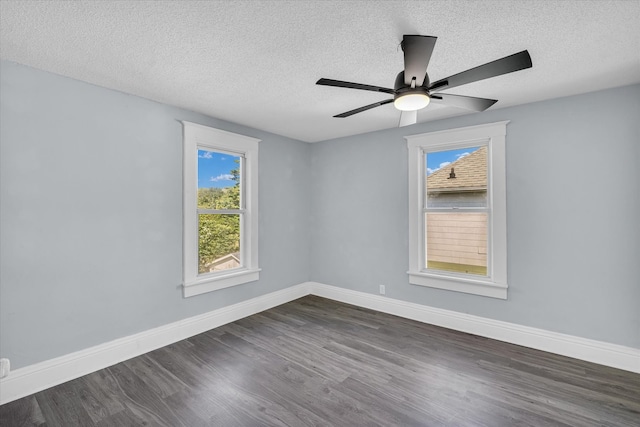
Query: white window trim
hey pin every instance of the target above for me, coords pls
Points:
(197, 136)
(494, 136)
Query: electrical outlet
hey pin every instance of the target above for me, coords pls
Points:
(382, 290)
(4, 367)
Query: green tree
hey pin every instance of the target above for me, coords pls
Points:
(207, 197)
(219, 236)
(219, 233)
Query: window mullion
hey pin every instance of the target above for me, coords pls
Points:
(220, 211)
(458, 210)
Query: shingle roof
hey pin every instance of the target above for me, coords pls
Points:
(470, 172)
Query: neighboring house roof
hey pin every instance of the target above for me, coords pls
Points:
(229, 257)
(470, 172)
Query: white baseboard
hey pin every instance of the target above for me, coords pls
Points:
(31, 379)
(40, 376)
(599, 352)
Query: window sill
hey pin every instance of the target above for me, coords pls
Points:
(485, 288)
(217, 282)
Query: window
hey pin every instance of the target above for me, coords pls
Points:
(220, 209)
(457, 210)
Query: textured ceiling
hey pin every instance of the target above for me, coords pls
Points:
(256, 63)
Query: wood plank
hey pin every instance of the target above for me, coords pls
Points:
(316, 362)
(61, 406)
(22, 413)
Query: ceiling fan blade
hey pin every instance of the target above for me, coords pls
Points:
(408, 118)
(365, 108)
(338, 83)
(417, 53)
(508, 64)
(468, 102)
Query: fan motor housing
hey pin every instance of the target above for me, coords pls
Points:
(399, 85)
(401, 89)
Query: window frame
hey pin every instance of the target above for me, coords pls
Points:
(195, 137)
(493, 135)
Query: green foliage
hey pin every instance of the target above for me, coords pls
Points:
(219, 233)
(219, 236)
(207, 197)
(229, 199)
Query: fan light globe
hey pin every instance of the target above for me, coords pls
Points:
(411, 102)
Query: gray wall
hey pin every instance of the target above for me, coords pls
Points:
(573, 189)
(91, 215)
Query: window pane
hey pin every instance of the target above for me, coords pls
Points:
(218, 242)
(457, 178)
(457, 242)
(218, 180)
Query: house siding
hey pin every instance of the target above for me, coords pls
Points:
(457, 238)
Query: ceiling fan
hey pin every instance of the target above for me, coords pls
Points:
(413, 91)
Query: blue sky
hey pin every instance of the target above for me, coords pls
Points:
(440, 159)
(214, 169)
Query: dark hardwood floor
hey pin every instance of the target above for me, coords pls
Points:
(318, 362)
